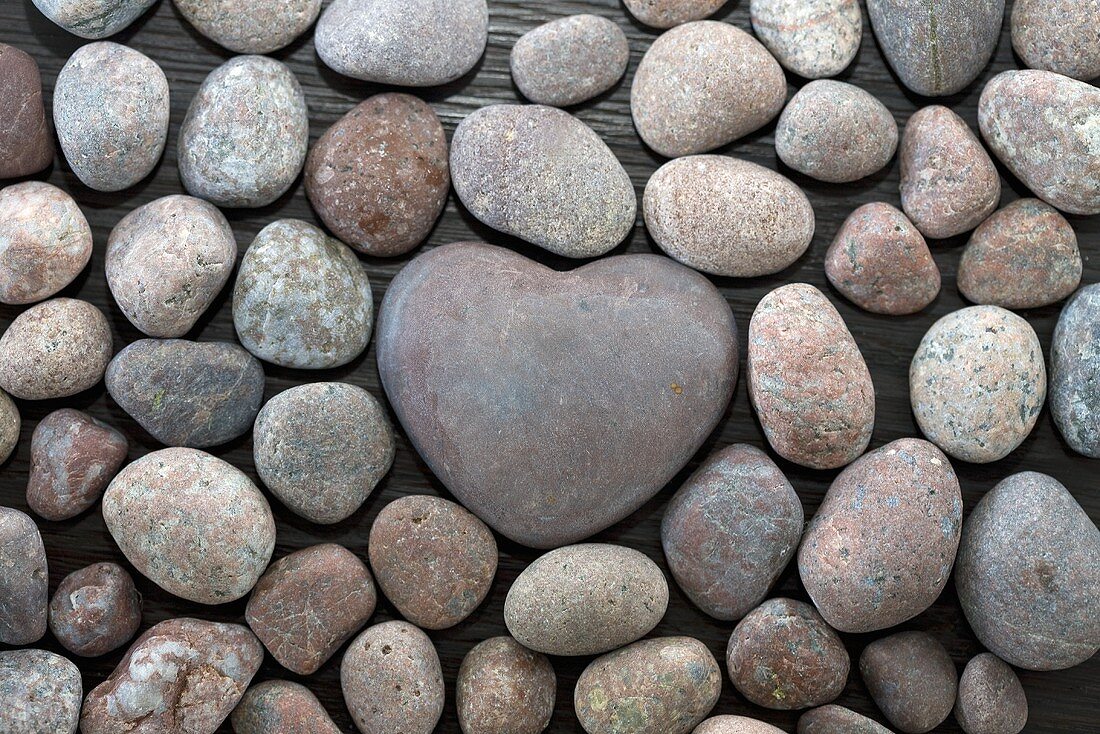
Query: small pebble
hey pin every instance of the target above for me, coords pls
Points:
(1024, 256)
(73, 459)
(912, 680)
(379, 177)
(281, 707)
(309, 603)
(95, 610)
(991, 699)
(55, 349)
(392, 680)
(727, 724)
(949, 184)
(246, 134)
(669, 13)
(111, 110)
(665, 685)
(1028, 574)
(813, 38)
(807, 379)
(1074, 373)
(39, 693)
(193, 524)
(832, 719)
(705, 211)
(504, 687)
(45, 242)
(9, 426)
(167, 261)
(187, 393)
(703, 85)
(569, 60)
(1058, 36)
(26, 144)
(24, 578)
(977, 383)
(93, 19)
(248, 26)
(880, 262)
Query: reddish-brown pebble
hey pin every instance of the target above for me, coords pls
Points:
(26, 145)
(24, 591)
(9, 426)
(95, 610)
(1058, 36)
(504, 687)
(40, 693)
(832, 719)
(727, 724)
(991, 699)
(568, 60)
(281, 707)
(912, 680)
(669, 13)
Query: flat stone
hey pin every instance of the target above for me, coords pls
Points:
(669, 13)
(991, 699)
(24, 578)
(39, 692)
(93, 20)
(248, 26)
(1056, 35)
(832, 719)
(813, 38)
(281, 707)
(569, 60)
(95, 610)
(9, 426)
(912, 680)
(1074, 373)
(504, 687)
(26, 144)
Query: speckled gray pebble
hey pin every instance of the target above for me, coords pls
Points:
(1074, 373)
(250, 26)
(569, 60)
(40, 693)
(911, 678)
(24, 578)
(991, 699)
(95, 609)
(812, 38)
(669, 13)
(93, 19)
(9, 426)
(1058, 36)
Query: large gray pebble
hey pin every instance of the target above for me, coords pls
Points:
(812, 38)
(569, 60)
(1075, 372)
(1058, 36)
(250, 26)
(24, 579)
(93, 19)
(40, 693)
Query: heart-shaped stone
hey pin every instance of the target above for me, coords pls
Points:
(554, 404)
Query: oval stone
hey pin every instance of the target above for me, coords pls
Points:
(504, 687)
(1075, 372)
(93, 20)
(727, 724)
(569, 60)
(669, 13)
(9, 426)
(281, 707)
(24, 579)
(991, 699)
(1057, 35)
(39, 692)
(832, 719)
(912, 680)
(26, 144)
(812, 38)
(248, 26)
(95, 610)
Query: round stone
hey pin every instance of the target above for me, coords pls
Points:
(24, 579)
(504, 687)
(248, 26)
(812, 38)
(991, 699)
(281, 706)
(912, 680)
(727, 724)
(1074, 373)
(9, 426)
(832, 719)
(569, 60)
(1057, 35)
(95, 610)
(39, 692)
(26, 145)
(669, 13)
(93, 20)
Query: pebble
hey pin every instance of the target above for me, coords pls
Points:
(281, 707)
(167, 261)
(1028, 574)
(1058, 36)
(183, 676)
(95, 610)
(9, 426)
(302, 299)
(949, 184)
(664, 685)
(379, 177)
(669, 13)
(322, 448)
(703, 85)
(727, 724)
(26, 144)
(422, 43)
(392, 680)
(510, 173)
(784, 656)
(45, 242)
(55, 349)
(39, 693)
(73, 458)
(24, 592)
(832, 719)
(1042, 127)
(991, 699)
(111, 109)
(730, 530)
(727, 216)
(309, 603)
(434, 560)
(912, 680)
(880, 262)
(187, 393)
(193, 524)
(1074, 373)
(504, 687)
(585, 600)
(569, 60)
(246, 134)
(93, 19)
(527, 482)
(977, 383)
(937, 49)
(812, 38)
(248, 26)
(880, 549)
(807, 379)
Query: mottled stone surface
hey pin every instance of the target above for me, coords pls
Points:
(111, 110)
(833, 719)
(665, 685)
(26, 145)
(703, 85)
(783, 655)
(730, 531)
(182, 676)
(1058, 36)
(812, 38)
(727, 724)
(880, 262)
(281, 707)
(880, 548)
(193, 524)
(411, 43)
(504, 687)
(556, 341)
(937, 48)
(73, 458)
(1074, 373)
(248, 26)
(302, 299)
(727, 216)
(977, 383)
(39, 693)
(24, 593)
(807, 379)
(392, 680)
(912, 680)
(949, 184)
(246, 134)
(45, 241)
(379, 177)
(669, 13)
(55, 349)
(187, 393)
(569, 60)
(991, 699)
(309, 603)
(1028, 574)
(167, 261)
(93, 19)
(9, 426)
(95, 610)
(1043, 126)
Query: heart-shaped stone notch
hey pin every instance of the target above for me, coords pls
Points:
(554, 404)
